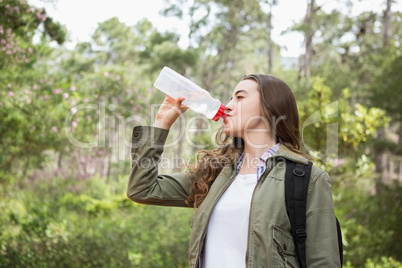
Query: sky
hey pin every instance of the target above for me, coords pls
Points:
(81, 17)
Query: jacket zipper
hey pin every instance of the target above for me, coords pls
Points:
(249, 221)
(209, 216)
(251, 206)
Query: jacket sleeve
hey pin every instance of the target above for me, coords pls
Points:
(145, 185)
(322, 240)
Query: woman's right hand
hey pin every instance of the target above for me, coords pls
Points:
(169, 111)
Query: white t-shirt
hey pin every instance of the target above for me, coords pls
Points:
(226, 239)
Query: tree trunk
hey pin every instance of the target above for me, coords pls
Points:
(109, 168)
(311, 9)
(400, 135)
(379, 162)
(270, 43)
(60, 160)
(379, 159)
(387, 24)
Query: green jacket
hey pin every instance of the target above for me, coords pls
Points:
(270, 242)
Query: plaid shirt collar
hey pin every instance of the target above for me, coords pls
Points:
(263, 158)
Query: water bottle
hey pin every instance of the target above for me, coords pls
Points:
(196, 98)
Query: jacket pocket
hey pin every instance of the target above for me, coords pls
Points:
(284, 251)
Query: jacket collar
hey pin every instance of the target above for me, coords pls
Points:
(284, 152)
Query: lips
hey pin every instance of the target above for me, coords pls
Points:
(226, 119)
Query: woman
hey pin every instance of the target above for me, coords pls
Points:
(238, 188)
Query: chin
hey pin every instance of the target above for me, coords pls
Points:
(227, 133)
(230, 132)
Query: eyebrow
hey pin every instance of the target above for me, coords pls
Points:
(239, 91)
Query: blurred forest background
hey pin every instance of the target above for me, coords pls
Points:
(65, 206)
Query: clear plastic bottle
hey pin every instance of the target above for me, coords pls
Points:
(196, 98)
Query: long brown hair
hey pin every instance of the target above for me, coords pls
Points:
(279, 109)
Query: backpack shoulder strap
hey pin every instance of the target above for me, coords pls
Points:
(297, 178)
(340, 244)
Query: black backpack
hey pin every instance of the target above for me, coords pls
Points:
(296, 184)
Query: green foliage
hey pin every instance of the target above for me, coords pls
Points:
(385, 89)
(19, 22)
(383, 263)
(335, 129)
(24, 98)
(352, 128)
(66, 223)
(66, 207)
(370, 222)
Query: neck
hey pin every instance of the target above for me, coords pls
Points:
(257, 142)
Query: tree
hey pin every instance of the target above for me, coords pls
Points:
(308, 38)
(363, 64)
(21, 112)
(269, 31)
(387, 24)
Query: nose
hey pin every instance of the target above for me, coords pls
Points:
(229, 107)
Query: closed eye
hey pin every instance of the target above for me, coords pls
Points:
(230, 98)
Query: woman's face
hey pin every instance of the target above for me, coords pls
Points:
(244, 110)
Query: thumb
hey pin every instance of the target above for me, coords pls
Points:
(179, 100)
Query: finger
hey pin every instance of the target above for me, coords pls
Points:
(179, 100)
(177, 105)
(180, 104)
